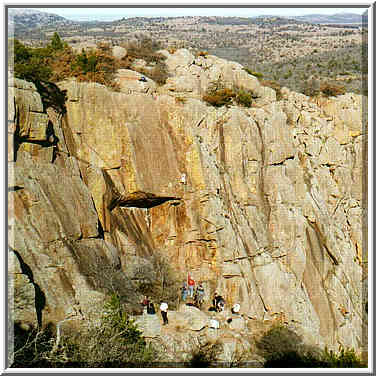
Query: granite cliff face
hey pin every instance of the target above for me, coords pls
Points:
(262, 204)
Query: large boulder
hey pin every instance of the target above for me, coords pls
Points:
(191, 74)
(188, 317)
(182, 84)
(181, 58)
(119, 52)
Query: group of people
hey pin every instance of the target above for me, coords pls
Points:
(148, 306)
(189, 289)
(150, 309)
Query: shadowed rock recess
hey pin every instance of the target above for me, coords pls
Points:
(263, 204)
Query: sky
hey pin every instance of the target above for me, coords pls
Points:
(108, 14)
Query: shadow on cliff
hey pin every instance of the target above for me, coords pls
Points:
(40, 298)
(152, 276)
(52, 96)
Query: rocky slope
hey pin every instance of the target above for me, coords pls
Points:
(263, 204)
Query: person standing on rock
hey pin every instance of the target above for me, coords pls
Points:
(218, 302)
(145, 303)
(235, 309)
(184, 292)
(151, 309)
(215, 300)
(221, 304)
(200, 293)
(164, 309)
(191, 285)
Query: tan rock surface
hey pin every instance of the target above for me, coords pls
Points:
(129, 82)
(263, 205)
(119, 52)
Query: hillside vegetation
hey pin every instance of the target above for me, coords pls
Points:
(285, 50)
(58, 61)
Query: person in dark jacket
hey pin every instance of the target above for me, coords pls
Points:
(221, 304)
(199, 295)
(218, 302)
(151, 308)
(184, 292)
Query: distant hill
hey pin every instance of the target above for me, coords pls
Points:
(27, 18)
(339, 18)
(20, 18)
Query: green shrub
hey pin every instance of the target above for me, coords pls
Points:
(33, 64)
(56, 42)
(146, 49)
(180, 100)
(303, 358)
(294, 359)
(30, 64)
(253, 73)
(117, 319)
(20, 52)
(33, 70)
(32, 347)
(282, 348)
(116, 342)
(93, 66)
(204, 356)
(85, 63)
(278, 341)
(244, 98)
(202, 53)
(346, 358)
(218, 95)
(332, 90)
(312, 87)
(57, 62)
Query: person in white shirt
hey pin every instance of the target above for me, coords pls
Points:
(235, 308)
(164, 308)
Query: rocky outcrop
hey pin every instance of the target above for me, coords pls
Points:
(132, 82)
(191, 76)
(119, 52)
(262, 204)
